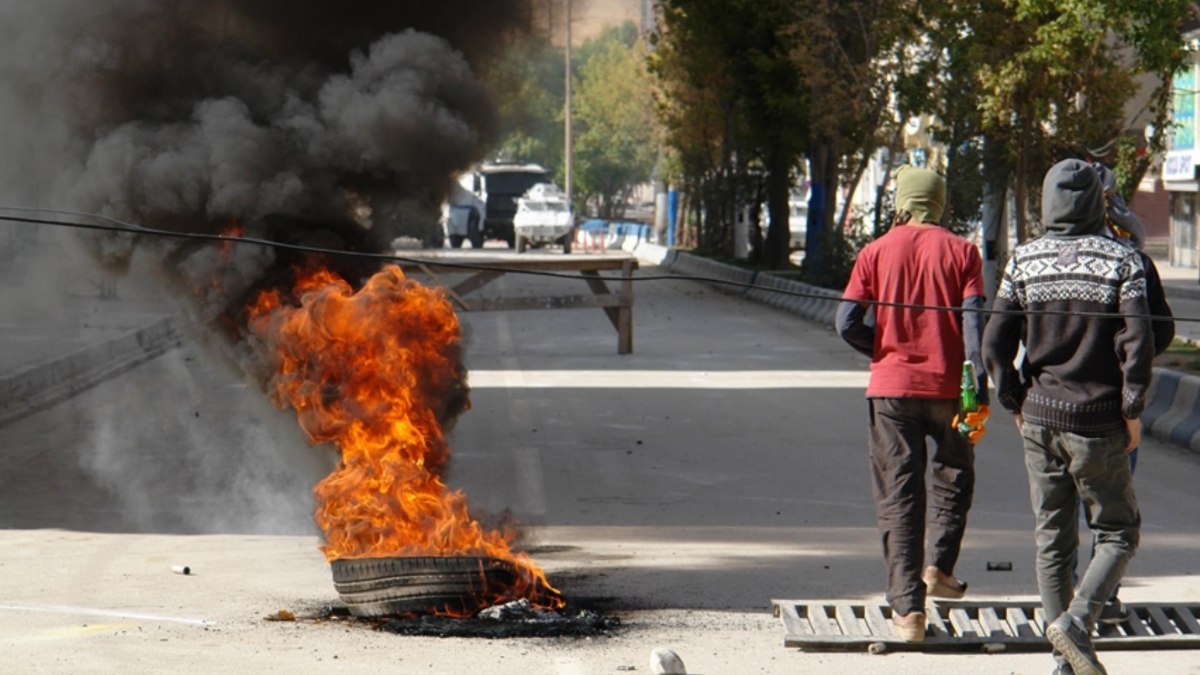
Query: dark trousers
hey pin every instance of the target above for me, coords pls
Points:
(908, 505)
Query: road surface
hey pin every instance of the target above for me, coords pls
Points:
(679, 488)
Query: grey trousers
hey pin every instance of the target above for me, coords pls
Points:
(909, 507)
(1064, 470)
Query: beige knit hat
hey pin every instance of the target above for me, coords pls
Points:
(921, 192)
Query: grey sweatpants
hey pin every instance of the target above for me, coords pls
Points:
(908, 507)
(1064, 470)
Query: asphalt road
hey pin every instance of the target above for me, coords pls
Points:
(680, 488)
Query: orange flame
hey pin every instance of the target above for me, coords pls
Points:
(372, 372)
(233, 229)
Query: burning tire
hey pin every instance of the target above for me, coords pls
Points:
(459, 585)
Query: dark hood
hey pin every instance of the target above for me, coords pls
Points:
(1072, 200)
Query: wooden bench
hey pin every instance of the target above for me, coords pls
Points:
(481, 271)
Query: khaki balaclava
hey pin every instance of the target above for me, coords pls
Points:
(921, 192)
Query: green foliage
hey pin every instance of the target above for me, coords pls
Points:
(615, 126)
(850, 54)
(1042, 80)
(529, 84)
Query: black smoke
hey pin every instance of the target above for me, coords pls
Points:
(311, 121)
(335, 124)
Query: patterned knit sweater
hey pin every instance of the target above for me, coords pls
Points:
(1081, 373)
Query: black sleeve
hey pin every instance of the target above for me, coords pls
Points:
(1001, 341)
(854, 329)
(1134, 343)
(972, 322)
(1156, 296)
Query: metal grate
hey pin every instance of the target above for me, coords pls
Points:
(967, 626)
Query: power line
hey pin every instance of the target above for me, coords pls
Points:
(115, 225)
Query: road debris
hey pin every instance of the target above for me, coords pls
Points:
(281, 615)
(666, 662)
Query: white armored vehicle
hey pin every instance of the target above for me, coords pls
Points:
(544, 217)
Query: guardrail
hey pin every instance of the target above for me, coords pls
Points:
(605, 235)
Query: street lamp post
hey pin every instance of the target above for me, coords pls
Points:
(567, 111)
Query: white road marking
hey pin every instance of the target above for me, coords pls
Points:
(668, 379)
(93, 611)
(527, 459)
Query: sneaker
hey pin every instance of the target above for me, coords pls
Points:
(910, 627)
(1061, 667)
(1073, 642)
(1115, 612)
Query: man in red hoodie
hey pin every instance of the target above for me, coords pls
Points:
(917, 353)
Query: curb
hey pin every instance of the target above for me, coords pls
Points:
(1187, 291)
(1172, 411)
(812, 302)
(44, 384)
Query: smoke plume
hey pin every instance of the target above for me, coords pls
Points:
(188, 115)
(333, 124)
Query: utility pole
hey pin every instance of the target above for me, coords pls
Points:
(567, 115)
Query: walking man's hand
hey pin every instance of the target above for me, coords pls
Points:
(1134, 427)
(974, 423)
(1020, 420)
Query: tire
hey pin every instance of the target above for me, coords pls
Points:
(456, 241)
(421, 584)
(566, 243)
(511, 240)
(521, 244)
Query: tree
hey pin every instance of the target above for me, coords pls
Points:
(615, 143)
(1014, 85)
(850, 57)
(1035, 81)
(697, 109)
(734, 111)
(776, 111)
(528, 84)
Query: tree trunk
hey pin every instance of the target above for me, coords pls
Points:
(822, 203)
(779, 184)
(1021, 195)
(859, 170)
(881, 189)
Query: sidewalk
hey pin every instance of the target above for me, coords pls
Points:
(1181, 281)
(1182, 285)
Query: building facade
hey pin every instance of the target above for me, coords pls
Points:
(1179, 167)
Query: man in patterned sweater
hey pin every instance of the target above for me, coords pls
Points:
(1077, 300)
